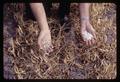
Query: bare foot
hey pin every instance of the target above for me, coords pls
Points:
(88, 33)
(44, 41)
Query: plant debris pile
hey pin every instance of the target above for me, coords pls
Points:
(71, 59)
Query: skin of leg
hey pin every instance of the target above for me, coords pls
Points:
(85, 23)
(44, 39)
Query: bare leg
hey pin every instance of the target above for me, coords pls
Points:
(87, 31)
(44, 39)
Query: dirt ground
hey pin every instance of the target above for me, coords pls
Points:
(70, 58)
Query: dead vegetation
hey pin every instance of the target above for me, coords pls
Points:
(70, 58)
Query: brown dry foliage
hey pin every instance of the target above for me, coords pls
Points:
(71, 59)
